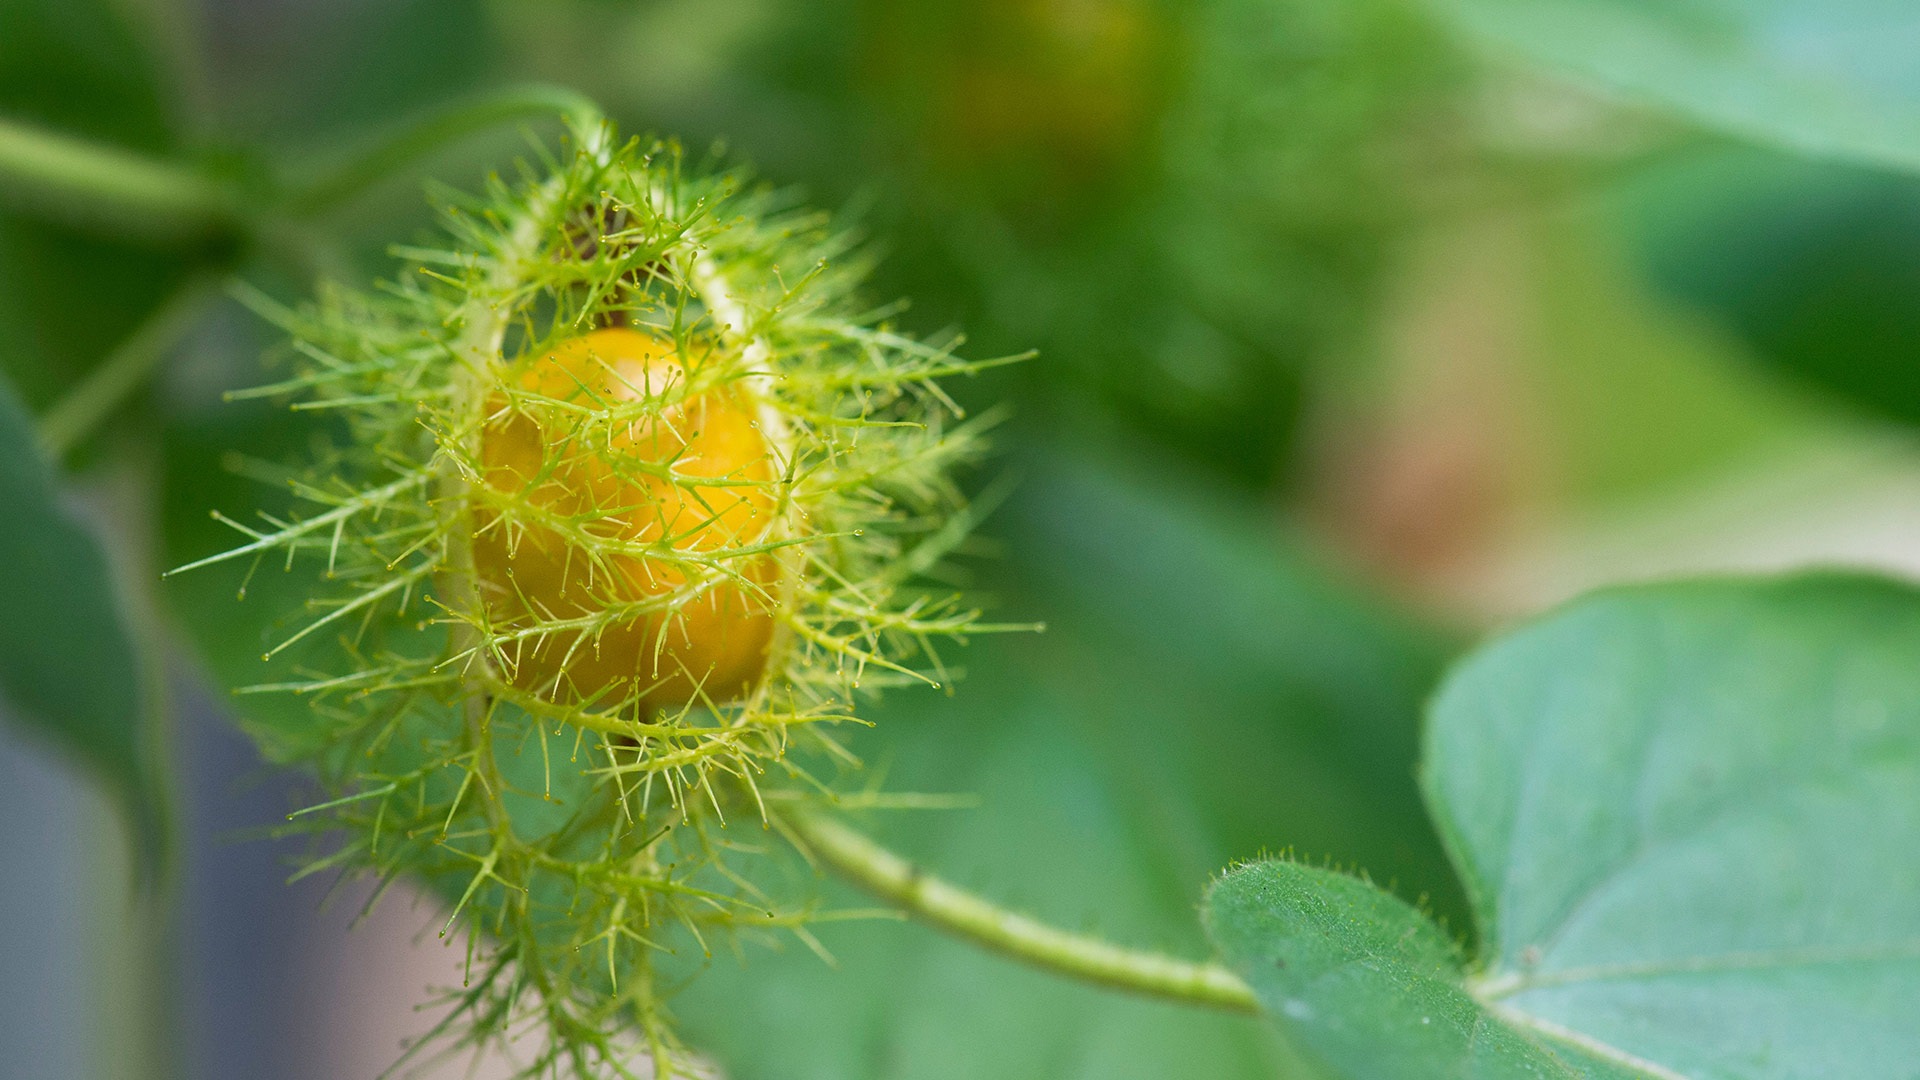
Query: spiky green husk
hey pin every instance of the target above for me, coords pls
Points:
(584, 843)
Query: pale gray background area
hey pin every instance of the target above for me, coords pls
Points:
(253, 979)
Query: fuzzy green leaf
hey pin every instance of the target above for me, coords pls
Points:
(1362, 981)
(67, 666)
(1685, 815)
(1827, 77)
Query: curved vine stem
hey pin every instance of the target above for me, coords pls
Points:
(891, 877)
(94, 183)
(413, 139)
(90, 182)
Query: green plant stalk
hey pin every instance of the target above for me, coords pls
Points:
(890, 877)
(126, 369)
(89, 182)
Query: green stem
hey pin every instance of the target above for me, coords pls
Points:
(89, 182)
(415, 138)
(126, 369)
(951, 908)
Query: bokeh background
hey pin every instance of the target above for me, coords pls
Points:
(1357, 339)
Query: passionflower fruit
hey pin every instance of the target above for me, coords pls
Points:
(614, 436)
(624, 499)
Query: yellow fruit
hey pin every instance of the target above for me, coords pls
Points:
(623, 455)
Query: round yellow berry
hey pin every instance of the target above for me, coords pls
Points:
(625, 492)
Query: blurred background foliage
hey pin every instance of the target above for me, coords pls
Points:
(1355, 339)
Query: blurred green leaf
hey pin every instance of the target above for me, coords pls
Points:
(76, 65)
(68, 298)
(1054, 833)
(1296, 693)
(1834, 78)
(214, 457)
(67, 666)
(1686, 816)
(1814, 266)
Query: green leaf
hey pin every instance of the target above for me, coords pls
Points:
(1686, 817)
(67, 665)
(1175, 606)
(1827, 77)
(1362, 981)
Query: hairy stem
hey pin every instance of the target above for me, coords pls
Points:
(126, 369)
(949, 907)
(413, 139)
(89, 183)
